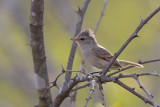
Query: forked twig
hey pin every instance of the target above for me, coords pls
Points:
(54, 83)
(132, 90)
(145, 90)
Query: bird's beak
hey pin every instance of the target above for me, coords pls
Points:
(74, 39)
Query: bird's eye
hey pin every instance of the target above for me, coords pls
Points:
(82, 39)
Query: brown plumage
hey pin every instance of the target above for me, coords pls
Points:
(97, 55)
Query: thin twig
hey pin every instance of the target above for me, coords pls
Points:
(138, 74)
(93, 85)
(102, 94)
(100, 17)
(54, 83)
(134, 34)
(145, 90)
(80, 87)
(140, 62)
(145, 62)
(89, 97)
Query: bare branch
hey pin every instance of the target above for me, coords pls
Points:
(138, 74)
(80, 13)
(104, 79)
(134, 34)
(134, 92)
(89, 97)
(145, 90)
(145, 62)
(101, 15)
(38, 53)
(140, 62)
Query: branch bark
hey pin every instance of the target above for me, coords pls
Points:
(38, 53)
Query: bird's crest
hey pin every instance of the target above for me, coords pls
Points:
(87, 32)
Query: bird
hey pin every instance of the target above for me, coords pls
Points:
(95, 54)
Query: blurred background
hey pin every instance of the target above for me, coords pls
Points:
(17, 84)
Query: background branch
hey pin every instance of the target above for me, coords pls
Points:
(101, 15)
(38, 53)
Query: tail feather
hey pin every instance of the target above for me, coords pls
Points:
(125, 63)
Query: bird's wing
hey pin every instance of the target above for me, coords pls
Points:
(104, 54)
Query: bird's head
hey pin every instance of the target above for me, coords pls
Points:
(85, 38)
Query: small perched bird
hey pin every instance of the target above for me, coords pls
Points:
(95, 54)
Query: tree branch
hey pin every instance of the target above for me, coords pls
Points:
(134, 34)
(145, 90)
(80, 13)
(132, 75)
(133, 92)
(102, 93)
(61, 96)
(38, 53)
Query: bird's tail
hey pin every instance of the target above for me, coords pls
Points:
(125, 63)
